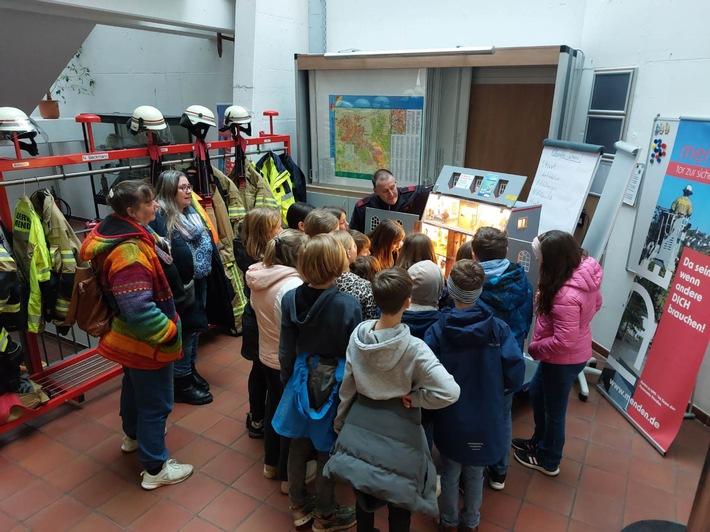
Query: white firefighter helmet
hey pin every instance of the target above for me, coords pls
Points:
(236, 114)
(688, 190)
(14, 121)
(146, 117)
(197, 115)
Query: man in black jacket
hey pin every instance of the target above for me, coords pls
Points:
(389, 197)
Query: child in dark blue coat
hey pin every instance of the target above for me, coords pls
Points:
(485, 360)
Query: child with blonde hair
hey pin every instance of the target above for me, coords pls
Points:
(349, 283)
(320, 221)
(316, 323)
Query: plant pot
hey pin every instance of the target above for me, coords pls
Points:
(49, 108)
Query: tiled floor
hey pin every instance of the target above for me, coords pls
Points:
(65, 471)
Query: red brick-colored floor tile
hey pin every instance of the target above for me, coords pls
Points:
(130, 504)
(227, 378)
(608, 415)
(199, 420)
(534, 518)
(72, 473)
(547, 493)
(419, 523)
(575, 449)
(108, 450)
(607, 459)
(101, 488)
(198, 452)
(642, 495)
(226, 402)
(604, 512)
(196, 492)
(581, 409)
(578, 526)
(45, 460)
(652, 473)
(569, 472)
(29, 499)
(685, 457)
(228, 466)
(23, 442)
(642, 448)
(516, 482)
(229, 509)
(85, 437)
(13, 479)
(617, 438)
(266, 518)
(577, 428)
(95, 522)
(600, 482)
(62, 514)
(177, 438)
(7, 522)
(251, 447)
(226, 431)
(487, 526)
(63, 419)
(683, 507)
(198, 524)
(500, 509)
(164, 515)
(253, 483)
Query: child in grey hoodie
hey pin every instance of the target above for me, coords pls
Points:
(389, 374)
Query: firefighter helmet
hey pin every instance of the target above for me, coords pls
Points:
(146, 117)
(197, 115)
(13, 121)
(236, 114)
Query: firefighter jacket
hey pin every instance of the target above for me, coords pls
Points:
(220, 290)
(247, 193)
(64, 249)
(9, 289)
(32, 258)
(222, 188)
(279, 180)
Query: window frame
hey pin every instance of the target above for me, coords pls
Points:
(611, 114)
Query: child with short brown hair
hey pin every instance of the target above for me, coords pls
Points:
(316, 322)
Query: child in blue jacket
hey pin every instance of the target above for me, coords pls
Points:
(485, 360)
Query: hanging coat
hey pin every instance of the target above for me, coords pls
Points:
(225, 245)
(9, 289)
(251, 191)
(279, 180)
(297, 177)
(32, 258)
(64, 249)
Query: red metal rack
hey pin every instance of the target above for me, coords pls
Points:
(71, 378)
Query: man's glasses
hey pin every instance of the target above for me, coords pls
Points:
(185, 188)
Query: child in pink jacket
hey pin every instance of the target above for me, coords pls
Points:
(568, 298)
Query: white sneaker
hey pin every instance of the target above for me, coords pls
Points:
(173, 472)
(129, 445)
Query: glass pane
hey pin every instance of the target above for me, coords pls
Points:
(605, 131)
(609, 92)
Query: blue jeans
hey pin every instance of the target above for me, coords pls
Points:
(549, 392)
(146, 402)
(501, 467)
(183, 366)
(451, 472)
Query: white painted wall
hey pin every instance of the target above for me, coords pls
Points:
(268, 36)
(664, 40)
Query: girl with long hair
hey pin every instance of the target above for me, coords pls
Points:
(385, 241)
(568, 297)
(416, 247)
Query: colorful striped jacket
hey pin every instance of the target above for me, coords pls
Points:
(145, 333)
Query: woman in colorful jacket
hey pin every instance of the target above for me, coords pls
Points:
(145, 331)
(568, 298)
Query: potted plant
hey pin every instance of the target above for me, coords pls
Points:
(75, 78)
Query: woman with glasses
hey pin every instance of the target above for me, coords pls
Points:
(182, 221)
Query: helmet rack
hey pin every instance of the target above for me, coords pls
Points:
(70, 378)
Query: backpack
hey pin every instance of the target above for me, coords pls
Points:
(89, 307)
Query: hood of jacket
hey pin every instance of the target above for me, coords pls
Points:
(470, 327)
(587, 277)
(380, 350)
(260, 277)
(506, 292)
(111, 232)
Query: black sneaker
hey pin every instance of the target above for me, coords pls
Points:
(255, 428)
(530, 461)
(521, 444)
(342, 518)
(496, 480)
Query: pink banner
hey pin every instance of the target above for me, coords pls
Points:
(667, 380)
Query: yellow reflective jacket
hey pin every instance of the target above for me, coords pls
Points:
(9, 289)
(64, 249)
(279, 180)
(244, 195)
(32, 258)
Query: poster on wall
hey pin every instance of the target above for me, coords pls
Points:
(372, 132)
(663, 335)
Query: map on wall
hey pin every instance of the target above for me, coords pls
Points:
(372, 132)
